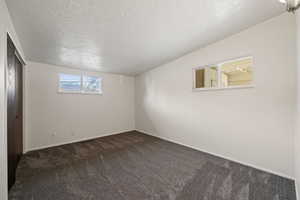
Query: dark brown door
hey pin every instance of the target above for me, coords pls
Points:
(14, 111)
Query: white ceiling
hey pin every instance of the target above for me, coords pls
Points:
(128, 36)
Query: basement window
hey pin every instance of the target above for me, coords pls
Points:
(230, 74)
(91, 84)
(82, 84)
(69, 83)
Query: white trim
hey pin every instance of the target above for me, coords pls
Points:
(74, 141)
(236, 59)
(226, 61)
(3, 125)
(20, 57)
(224, 88)
(219, 76)
(17, 50)
(221, 156)
(81, 92)
(24, 93)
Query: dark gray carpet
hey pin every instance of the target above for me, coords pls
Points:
(134, 166)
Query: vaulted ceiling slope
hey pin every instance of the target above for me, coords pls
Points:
(128, 36)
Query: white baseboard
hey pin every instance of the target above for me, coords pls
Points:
(222, 156)
(73, 141)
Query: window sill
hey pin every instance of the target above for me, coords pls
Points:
(82, 93)
(227, 88)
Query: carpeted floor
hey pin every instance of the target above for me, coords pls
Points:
(134, 166)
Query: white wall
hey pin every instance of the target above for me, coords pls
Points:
(253, 126)
(5, 26)
(297, 133)
(74, 117)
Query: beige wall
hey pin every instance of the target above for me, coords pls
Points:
(53, 118)
(254, 125)
(297, 135)
(5, 26)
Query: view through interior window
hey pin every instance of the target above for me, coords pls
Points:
(230, 74)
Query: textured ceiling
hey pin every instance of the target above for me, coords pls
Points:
(128, 36)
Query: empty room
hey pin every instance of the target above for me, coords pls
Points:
(149, 99)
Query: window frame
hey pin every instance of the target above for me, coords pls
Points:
(219, 83)
(61, 91)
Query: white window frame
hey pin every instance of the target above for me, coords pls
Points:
(219, 78)
(62, 91)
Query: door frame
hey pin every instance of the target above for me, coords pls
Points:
(22, 60)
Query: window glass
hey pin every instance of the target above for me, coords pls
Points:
(91, 84)
(69, 83)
